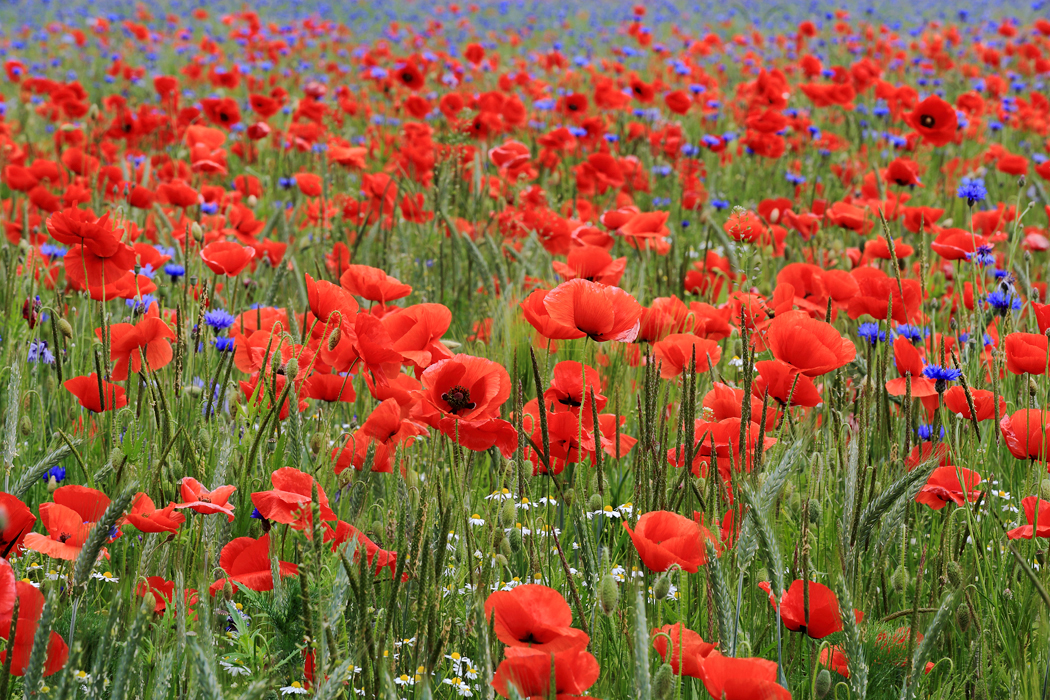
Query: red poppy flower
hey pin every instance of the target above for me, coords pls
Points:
(466, 387)
(373, 284)
(835, 658)
(903, 172)
(163, 592)
(30, 608)
(226, 257)
(591, 263)
(246, 561)
(530, 671)
(289, 500)
(1027, 353)
(86, 389)
(309, 184)
(935, 120)
(382, 432)
(688, 649)
(676, 353)
(1033, 528)
(18, 521)
(130, 343)
(145, 516)
(533, 616)
(663, 538)
(909, 361)
(571, 386)
(602, 313)
(66, 532)
(813, 346)
(983, 403)
(785, 384)
(201, 500)
(944, 485)
(535, 311)
(377, 558)
(729, 678)
(824, 616)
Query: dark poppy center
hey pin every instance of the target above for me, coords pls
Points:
(573, 107)
(927, 121)
(63, 537)
(530, 639)
(407, 78)
(458, 399)
(569, 401)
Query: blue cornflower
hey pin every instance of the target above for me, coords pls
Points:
(913, 333)
(972, 190)
(871, 333)
(58, 472)
(224, 344)
(926, 433)
(38, 351)
(51, 250)
(720, 204)
(140, 306)
(219, 319)
(941, 376)
(1003, 301)
(257, 515)
(174, 270)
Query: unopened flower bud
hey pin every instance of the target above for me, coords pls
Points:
(662, 587)
(663, 682)
(52, 484)
(334, 337)
(609, 594)
(595, 503)
(815, 511)
(899, 580)
(65, 328)
(514, 538)
(962, 617)
(823, 683)
(508, 513)
(197, 232)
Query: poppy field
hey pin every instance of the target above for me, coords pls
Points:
(524, 350)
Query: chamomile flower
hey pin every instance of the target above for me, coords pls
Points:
(501, 495)
(233, 668)
(296, 688)
(404, 680)
(476, 519)
(462, 689)
(34, 584)
(104, 576)
(607, 511)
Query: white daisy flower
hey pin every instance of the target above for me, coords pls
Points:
(296, 688)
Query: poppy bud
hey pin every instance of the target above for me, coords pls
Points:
(316, 443)
(1021, 182)
(570, 497)
(505, 549)
(663, 682)
(227, 590)
(1033, 388)
(662, 587)
(193, 391)
(334, 337)
(502, 560)
(815, 511)
(197, 231)
(962, 617)
(595, 503)
(52, 484)
(514, 540)
(508, 513)
(609, 594)
(3, 520)
(67, 330)
(954, 573)
(1044, 489)
(93, 112)
(25, 425)
(823, 682)
(252, 200)
(899, 580)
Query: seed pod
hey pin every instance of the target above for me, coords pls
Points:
(609, 594)
(815, 511)
(823, 682)
(334, 337)
(595, 503)
(316, 443)
(25, 426)
(67, 330)
(663, 682)
(291, 370)
(962, 617)
(505, 548)
(899, 580)
(514, 537)
(954, 573)
(661, 587)
(508, 513)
